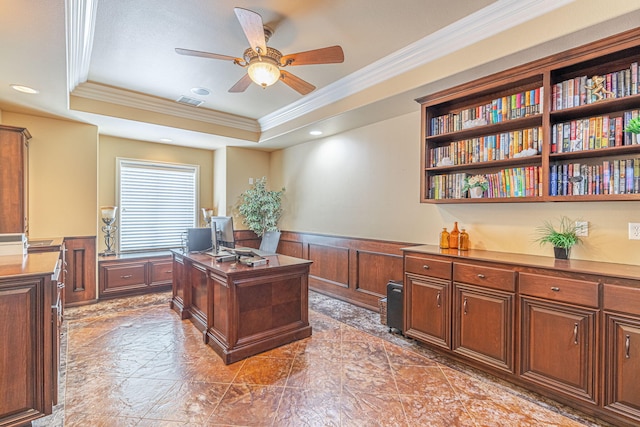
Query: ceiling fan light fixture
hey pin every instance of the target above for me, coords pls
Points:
(264, 71)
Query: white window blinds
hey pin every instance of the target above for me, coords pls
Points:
(157, 202)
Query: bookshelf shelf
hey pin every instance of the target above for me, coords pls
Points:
(580, 153)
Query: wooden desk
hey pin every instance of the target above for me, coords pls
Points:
(242, 310)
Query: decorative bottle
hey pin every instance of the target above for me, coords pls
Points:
(444, 239)
(463, 240)
(453, 236)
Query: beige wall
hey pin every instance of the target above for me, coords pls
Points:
(243, 164)
(113, 147)
(62, 175)
(366, 183)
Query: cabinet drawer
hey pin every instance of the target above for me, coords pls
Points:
(124, 275)
(559, 289)
(161, 272)
(488, 277)
(621, 298)
(428, 267)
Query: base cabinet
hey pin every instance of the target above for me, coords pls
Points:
(28, 368)
(134, 275)
(569, 330)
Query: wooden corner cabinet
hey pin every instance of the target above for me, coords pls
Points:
(569, 330)
(14, 179)
(549, 130)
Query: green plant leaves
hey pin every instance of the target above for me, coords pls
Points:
(261, 208)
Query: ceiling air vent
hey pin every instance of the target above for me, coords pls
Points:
(189, 101)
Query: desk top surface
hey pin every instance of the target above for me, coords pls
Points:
(33, 264)
(275, 261)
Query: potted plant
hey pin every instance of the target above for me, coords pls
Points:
(562, 237)
(476, 185)
(634, 127)
(261, 209)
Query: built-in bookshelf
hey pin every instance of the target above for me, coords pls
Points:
(549, 130)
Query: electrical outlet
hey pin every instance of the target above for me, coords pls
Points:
(582, 228)
(634, 231)
(250, 181)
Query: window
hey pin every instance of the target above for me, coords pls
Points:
(158, 202)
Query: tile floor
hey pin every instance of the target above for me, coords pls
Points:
(133, 362)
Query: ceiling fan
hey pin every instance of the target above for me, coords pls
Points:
(264, 64)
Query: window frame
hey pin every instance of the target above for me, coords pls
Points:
(155, 165)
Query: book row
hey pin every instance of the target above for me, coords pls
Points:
(585, 90)
(506, 145)
(510, 107)
(620, 176)
(510, 182)
(592, 133)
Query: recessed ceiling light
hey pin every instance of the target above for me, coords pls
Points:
(315, 132)
(25, 89)
(200, 91)
(166, 140)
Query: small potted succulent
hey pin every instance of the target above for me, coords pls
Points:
(563, 237)
(476, 185)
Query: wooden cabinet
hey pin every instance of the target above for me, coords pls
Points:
(80, 278)
(622, 350)
(134, 275)
(569, 330)
(558, 336)
(27, 370)
(538, 132)
(14, 176)
(483, 314)
(427, 296)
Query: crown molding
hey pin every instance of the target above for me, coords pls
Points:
(81, 20)
(113, 95)
(484, 23)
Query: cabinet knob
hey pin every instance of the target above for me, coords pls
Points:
(575, 333)
(555, 289)
(464, 306)
(481, 276)
(426, 267)
(627, 346)
(438, 300)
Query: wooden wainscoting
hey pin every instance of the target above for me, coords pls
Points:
(351, 269)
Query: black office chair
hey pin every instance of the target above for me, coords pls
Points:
(269, 243)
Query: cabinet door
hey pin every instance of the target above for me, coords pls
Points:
(180, 302)
(622, 365)
(559, 347)
(14, 165)
(160, 272)
(428, 313)
(483, 325)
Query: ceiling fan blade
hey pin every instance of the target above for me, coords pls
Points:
(296, 83)
(326, 55)
(241, 85)
(253, 28)
(190, 52)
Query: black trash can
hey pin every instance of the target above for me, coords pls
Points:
(395, 303)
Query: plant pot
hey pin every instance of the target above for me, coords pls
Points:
(561, 253)
(476, 192)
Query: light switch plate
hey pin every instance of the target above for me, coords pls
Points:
(582, 228)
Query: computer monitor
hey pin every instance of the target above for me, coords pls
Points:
(224, 230)
(198, 239)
